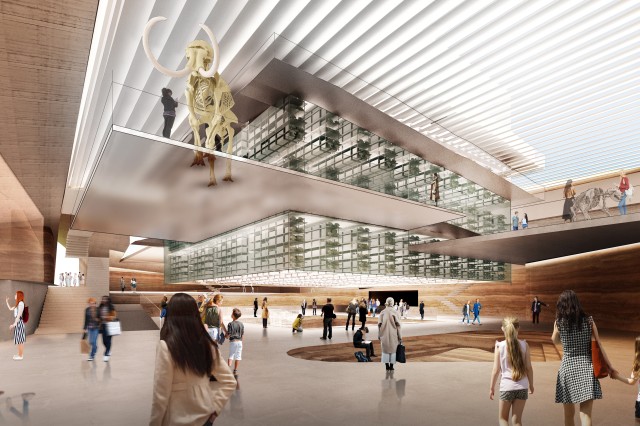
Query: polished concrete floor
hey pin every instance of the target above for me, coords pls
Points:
(275, 389)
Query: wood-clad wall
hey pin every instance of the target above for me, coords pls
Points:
(606, 282)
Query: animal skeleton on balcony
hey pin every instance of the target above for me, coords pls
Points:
(590, 199)
(208, 96)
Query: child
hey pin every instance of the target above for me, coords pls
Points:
(635, 375)
(235, 332)
(297, 324)
(513, 361)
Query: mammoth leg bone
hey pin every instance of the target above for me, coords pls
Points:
(212, 177)
(230, 133)
(194, 123)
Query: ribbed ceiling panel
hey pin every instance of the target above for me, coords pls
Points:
(540, 91)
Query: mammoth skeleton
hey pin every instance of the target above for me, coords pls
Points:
(208, 96)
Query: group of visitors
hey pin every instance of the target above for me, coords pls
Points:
(96, 319)
(133, 283)
(516, 222)
(467, 310)
(576, 382)
(403, 308)
(357, 307)
(569, 195)
(71, 279)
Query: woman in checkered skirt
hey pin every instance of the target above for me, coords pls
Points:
(576, 383)
(19, 332)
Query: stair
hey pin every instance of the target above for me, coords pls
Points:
(63, 310)
(453, 308)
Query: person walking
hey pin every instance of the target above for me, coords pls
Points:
(19, 332)
(515, 221)
(213, 317)
(235, 331)
(82, 280)
(421, 309)
(362, 311)
(314, 306)
(525, 221)
(360, 342)
(92, 326)
(389, 334)
(122, 284)
(163, 308)
(303, 306)
(466, 311)
(328, 316)
(536, 308)
(401, 307)
(512, 361)
(576, 383)
(74, 280)
(635, 376)
(623, 186)
(134, 284)
(352, 309)
(255, 307)
(61, 279)
(186, 360)
(476, 312)
(376, 305)
(296, 327)
(265, 312)
(169, 112)
(107, 313)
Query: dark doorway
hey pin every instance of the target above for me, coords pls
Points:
(409, 296)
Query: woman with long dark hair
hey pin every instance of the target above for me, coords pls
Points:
(576, 383)
(107, 313)
(192, 383)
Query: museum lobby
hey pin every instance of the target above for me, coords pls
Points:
(435, 152)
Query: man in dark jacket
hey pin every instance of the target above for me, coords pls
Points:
(359, 342)
(328, 315)
(255, 307)
(536, 307)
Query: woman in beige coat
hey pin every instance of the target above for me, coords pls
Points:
(186, 359)
(389, 333)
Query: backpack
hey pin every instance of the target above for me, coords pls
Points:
(360, 357)
(25, 315)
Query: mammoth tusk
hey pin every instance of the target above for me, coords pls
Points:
(216, 54)
(154, 61)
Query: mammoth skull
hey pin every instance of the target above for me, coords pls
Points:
(199, 54)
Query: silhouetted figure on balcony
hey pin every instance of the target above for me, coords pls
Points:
(569, 198)
(169, 113)
(434, 193)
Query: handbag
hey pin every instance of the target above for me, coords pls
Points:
(600, 367)
(113, 328)
(84, 344)
(401, 356)
(221, 338)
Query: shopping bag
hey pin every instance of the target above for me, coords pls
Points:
(84, 344)
(113, 328)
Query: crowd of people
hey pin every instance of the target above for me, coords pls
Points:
(71, 279)
(188, 354)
